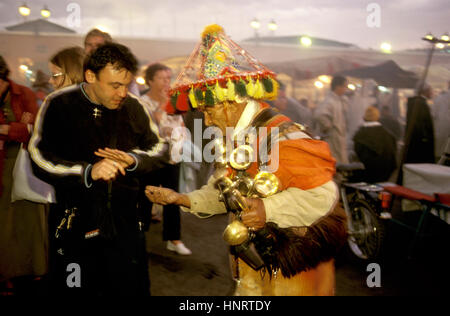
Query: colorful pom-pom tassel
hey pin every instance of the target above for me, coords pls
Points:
(219, 92)
(250, 87)
(259, 90)
(272, 95)
(268, 86)
(182, 102)
(209, 97)
(173, 99)
(199, 95)
(192, 98)
(240, 88)
(231, 95)
(169, 108)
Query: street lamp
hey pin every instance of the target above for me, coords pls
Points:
(255, 24)
(434, 41)
(272, 26)
(45, 12)
(24, 10)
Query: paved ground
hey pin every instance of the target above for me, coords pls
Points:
(206, 271)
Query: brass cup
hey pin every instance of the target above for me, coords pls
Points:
(235, 233)
(266, 184)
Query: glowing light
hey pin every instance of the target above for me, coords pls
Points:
(440, 45)
(325, 78)
(445, 37)
(24, 10)
(429, 36)
(272, 25)
(45, 12)
(140, 80)
(318, 84)
(306, 41)
(102, 28)
(386, 47)
(23, 67)
(255, 24)
(351, 86)
(383, 89)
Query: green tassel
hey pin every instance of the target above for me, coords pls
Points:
(199, 95)
(268, 86)
(240, 88)
(209, 97)
(173, 99)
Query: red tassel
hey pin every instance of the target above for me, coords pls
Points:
(182, 102)
(169, 108)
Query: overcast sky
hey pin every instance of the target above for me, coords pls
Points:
(402, 22)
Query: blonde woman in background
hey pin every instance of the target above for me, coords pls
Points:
(66, 67)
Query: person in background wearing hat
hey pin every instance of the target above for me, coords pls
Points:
(376, 148)
(23, 238)
(419, 131)
(298, 228)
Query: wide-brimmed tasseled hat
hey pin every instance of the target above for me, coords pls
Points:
(219, 70)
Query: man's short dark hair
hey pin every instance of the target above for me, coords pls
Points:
(4, 69)
(337, 81)
(119, 56)
(152, 70)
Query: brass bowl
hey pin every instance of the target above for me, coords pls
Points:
(235, 233)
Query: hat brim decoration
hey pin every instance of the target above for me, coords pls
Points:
(219, 70)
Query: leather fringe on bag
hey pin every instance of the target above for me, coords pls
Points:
(296, 249)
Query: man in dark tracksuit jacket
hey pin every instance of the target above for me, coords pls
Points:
(92, 142)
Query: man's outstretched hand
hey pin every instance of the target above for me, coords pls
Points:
(166, 196)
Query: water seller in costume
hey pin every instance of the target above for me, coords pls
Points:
(275, 180)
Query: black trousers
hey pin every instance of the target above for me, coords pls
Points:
(105, 267)
(167, 177)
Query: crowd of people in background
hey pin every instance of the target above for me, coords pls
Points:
(381, 142)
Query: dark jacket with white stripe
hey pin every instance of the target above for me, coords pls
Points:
(67, 133)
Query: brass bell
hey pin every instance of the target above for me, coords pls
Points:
(235, 233)
(241, 157)
(265, 184)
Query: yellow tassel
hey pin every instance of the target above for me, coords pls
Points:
(231, 95)
(272, 95)
(259, 90)
(250, 87)
(192, 98)
(220, 95)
